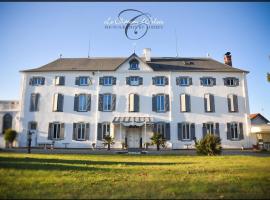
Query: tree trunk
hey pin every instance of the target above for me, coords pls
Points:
(109, 146)
(158, 147)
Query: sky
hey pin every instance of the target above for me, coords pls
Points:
(34, 34)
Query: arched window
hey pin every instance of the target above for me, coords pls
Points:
(134, 64)
(7, 122)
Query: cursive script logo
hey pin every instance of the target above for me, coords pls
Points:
(134, 22)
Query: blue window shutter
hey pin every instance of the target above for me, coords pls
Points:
(76, 102)
(154, 103)
(42, 80)
(241, 133)
(31, 81)
(101, 81)
(77, 81)
(113, 102)
(37, 101)
(87, 131)
(88, 102)
(177, 80)
(128, 80)
(225, 81)
(188, 104)
(136, 103)
(190, 81)
(154, 128)
(154, 80)
(179, 126)
(212, 103)
(214, 81)
(205, 104)
(74, 135)
(217, 133)
(192, 130)
(114, 80)
(140, 80)
(235, 102)
(60, 103)
(168, 131)
(204, 130)
(229, 134)
(202, 81)
(167, 102)
(99, 131)
(166, 80)
(100, 102)
(236, 82)
(229, 104)
(62, 131)
(50, 131)
(62, 80)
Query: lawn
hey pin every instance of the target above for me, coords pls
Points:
(133, 176)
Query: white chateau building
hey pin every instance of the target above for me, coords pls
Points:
(75, 102)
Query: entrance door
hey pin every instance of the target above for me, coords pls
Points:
(133, 137)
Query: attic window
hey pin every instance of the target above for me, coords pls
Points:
(188, 63)
(134, 64)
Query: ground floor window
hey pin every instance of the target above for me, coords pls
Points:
(234, 131)
(161, 129)
(7, 122)
(210, 128)
(105, 129)
(186, 131)
(81, 131)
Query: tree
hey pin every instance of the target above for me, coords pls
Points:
(10, 136)
(268, 77)
(108, 141)
(158, 140)
(209, 145)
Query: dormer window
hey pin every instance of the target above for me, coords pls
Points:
(134, 65)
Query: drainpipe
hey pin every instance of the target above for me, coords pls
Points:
(97, 104)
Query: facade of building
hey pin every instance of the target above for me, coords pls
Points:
(75, 102)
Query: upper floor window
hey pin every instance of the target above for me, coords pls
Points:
(32, 125)
(106, 102)
(186, 131)
(80, 131)
(134, 64)
(208, 81)
(160, 103)
(37, 80)
(82, 80)
(107, 80)
(183, 81)
(58, 101)
(82, 102)
(232, 103)
(134, 80)
(160, 80)
(184, 103)
(211, 128)
(163, 129)
(231, 81)
(56, 131)
(34, 102)
(103, 130)
(235, 131)
(59, 80)
(209, 103)
(134, 103)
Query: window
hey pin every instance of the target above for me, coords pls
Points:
(134, 80)
(210, 128)
(160, 103)
(234, 131)
(105, 129)
(161, 129)
(231, 81)
(58, 103)
(183, 81)
(81, 131)
(107, 80)
(186, 131)
(232, 103)
(160, 80)
(82, 80)
(7, 122)
(56, 131)
(134, 103)
(134, 65)
(184, 103)
(34, 102)
(36, 80)
(32, 125)
(82, 102)
(59, 80)
(209, 104)
(208, 81)
(107, 102)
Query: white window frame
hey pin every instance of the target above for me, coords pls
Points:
(184, 81)
(107, 80)
(186, 131)
(161, 104)
(210, 128)
(81, 131)
(82, 107)
(105, 129)
(208, 102)
(160, 80)
(134, 80)
(57, 80)
(183, 103)
(107, 102)
(132, 63)
(234, 130)
(56, 130)
(231, 81)
(36, 80)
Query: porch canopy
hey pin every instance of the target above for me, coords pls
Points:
(133, 121)
(260, 128)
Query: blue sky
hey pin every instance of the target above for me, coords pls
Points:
(33, 34)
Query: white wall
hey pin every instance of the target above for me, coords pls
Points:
(197, 114)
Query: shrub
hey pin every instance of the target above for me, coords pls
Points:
(158, 140)
(10, 136)
(209, 145)
(108, 141)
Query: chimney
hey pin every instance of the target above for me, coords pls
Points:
(228, 58)
(147, 54)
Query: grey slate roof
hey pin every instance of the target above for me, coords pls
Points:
(157, 64)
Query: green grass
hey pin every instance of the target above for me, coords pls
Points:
(133, 176)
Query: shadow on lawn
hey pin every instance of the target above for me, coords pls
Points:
(61, 164)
